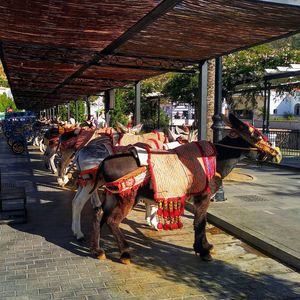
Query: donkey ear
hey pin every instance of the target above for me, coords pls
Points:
(237, 123)
(179, 131)
(226, 121)
(195, 134)
(172, 137)
(121, 128)
(137, 128)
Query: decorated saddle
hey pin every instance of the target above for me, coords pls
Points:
(175, 175)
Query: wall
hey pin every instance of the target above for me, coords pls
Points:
(292, 125)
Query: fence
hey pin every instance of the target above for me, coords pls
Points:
(287, 141)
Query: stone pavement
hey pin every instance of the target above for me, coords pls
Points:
(41, 260)
(264, 211)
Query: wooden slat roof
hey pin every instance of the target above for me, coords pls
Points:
(54, 50)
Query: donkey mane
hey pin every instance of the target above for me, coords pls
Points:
(67, 135)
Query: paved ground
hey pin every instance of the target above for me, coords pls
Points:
(264, 211)
(291, 161)
(41, 260)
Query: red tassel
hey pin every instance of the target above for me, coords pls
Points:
(160, 226)
(159, 212)
(165, 213)
(166, 226)
(179, 224)
(174, 226)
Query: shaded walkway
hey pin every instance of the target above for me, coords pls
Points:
(41, 260)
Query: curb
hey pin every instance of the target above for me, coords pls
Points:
(255, 241)
(287, 167)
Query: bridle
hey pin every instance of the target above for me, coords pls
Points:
(262, 158)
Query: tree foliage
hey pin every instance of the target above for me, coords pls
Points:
(240, 67)
(125, 99)
(63, 111)
(5, 102)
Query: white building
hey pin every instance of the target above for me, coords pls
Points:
(5, 90)
(285, 104)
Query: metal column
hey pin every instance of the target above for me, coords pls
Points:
(201, 105)
(88, 107)
(268, 108)
(69, 115)
(265, 108)
(158, 112)
(76, 111)
(217, 119)
(106, 107)
(137, 111)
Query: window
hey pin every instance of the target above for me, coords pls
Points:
(297, 110)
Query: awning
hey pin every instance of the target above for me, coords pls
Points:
(54, 51)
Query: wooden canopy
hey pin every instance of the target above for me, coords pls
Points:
(54, 51)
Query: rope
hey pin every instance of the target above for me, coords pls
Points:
(234, 147)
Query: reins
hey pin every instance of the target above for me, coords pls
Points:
(234, 147)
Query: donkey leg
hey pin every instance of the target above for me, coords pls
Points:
(201, 244)
(118, 214)
(95, 236)
(52, 164)
(95, 248)
(148, 212)
(78, 203)
(153, 216)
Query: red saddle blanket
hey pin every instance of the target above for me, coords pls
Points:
(177, 174)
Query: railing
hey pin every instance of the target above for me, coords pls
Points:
(287, 141)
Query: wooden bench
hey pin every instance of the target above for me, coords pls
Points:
(12, 204)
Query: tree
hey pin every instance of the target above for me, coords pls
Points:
(3, 79)
(249, 66)
(63, 111)
(125, 100)
(5, 102)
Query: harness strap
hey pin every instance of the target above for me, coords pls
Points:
(128, 182)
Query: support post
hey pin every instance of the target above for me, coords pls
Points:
(88, 107)
(158, 112)
(268, 108)
(137, 111)
(106, 108)
(69, 115)
(217, 119)
(265, 108)
(76, 112)
(201, 104)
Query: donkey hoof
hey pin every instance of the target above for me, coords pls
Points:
(101, 256)
(98, 254)
(80, 239)
(125, 258)
(207, 257)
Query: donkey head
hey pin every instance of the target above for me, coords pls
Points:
(186, 135)
(265, 150)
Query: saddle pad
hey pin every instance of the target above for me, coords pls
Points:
(154, 139)
(177, 174)
(183, 171)
(83, 137)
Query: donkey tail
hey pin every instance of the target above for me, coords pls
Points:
(98, 177)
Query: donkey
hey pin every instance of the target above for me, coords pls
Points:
(89, 157)
(243, 141)
(73, 141)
